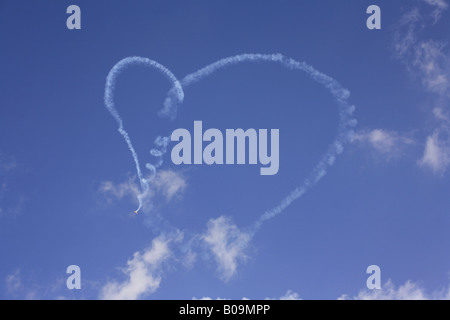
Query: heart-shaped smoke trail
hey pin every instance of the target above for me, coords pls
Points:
(175, 97)
(341, 95)
(111, 79)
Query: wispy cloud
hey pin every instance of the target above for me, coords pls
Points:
(228, 245)
(143, 271)
(432, 61)
(436, 154)
(13, 282)
(167, 184)
(439, 6)
(429, 60)
(209, 298)
(390, 144)
(19, 285)
(408, 291)
(120, 190)
(289, 295)
(8, 166)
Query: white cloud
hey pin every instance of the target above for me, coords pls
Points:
(167, 184)
(432, 62)
(388, 143)
(439, 7)
(2, 191)
(290, 295)
(405, 36)
(429, 60)
(228, 244)
(440, 4)
(143, 272)
(436, 154)
(20, 289)
(407, 291)
(13, 282)
(441, 114)
(121, 190)
(189, 258)
(7, 164)
(7, 168)
(209, 298)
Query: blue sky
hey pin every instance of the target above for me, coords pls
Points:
(68, 183)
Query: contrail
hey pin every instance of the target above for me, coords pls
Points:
(175, 98)
(340, 94)
(177, 94)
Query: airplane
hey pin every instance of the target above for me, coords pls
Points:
(136, 212)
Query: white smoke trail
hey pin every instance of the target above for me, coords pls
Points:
(111, 79)
(346, 120)
(175, 97)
